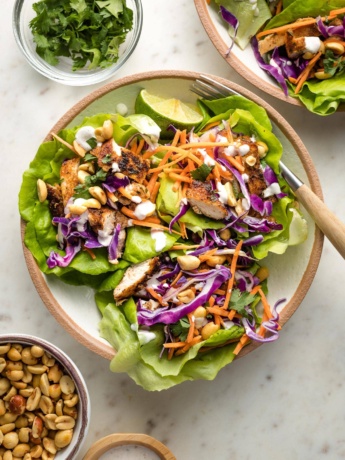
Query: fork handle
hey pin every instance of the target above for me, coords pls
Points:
(330, 225)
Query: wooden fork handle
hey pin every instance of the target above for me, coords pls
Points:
(330, 225)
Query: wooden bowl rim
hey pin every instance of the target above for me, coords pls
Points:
(105, 350)
(124, 439)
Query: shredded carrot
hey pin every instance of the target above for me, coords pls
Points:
(143, 223)
(154, 193)
(304, 75)
(279, 7)
(219, 292)
(265, 303)
(176, 279)
(156, 296)
(211, 301)
(180, 178)
(217, 311)
(206, 255)
(211, 125)
(129, 213)
(236, 163)
(183, 136)
(255, 289)
(134, 146)
(170, 353)
(336, 12)
(182, 247)
(191, 328)
(232, 278)
(281, 29)
(174, 344)
(149, 154)
(183, 230)
(217, 320)
(176, 137)
(189, 345)
(58, 138)
(140, 146)
(201, 145)
(243, 341)
(232, 314)
(124, 193)
(90, 252)
(162, 166)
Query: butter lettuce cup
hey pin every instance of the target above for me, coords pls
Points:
(176, 244)
(43, 397)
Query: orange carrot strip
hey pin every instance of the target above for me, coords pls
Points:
(199, 145)
(217, 319)
(265, 303)
(171, 352)
(176, 279)
(211, 301)
(232, 270)
(211, 125)
(140, 146)
(189, 345)
(219, 291)
(90, 252)
(180, 178)
(174, 344)
(181, 247)
(217, 311)
(183, 137)
(206, 255)
(58, 138)
(255, 289)
(142, 223)
(304, 75)
(191, 328)
(235, 163)
(279, 8)
(156, 296)
(176, 138)
(162, 166)
(149, 154)
(129, 213)
(281, 29)
(232, 314)
(336, 12)
(243, 341)
(154, 193)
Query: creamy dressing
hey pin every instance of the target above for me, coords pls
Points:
(115, 167)
(82, 220)
(230, 151)
(104, 238)
(223, 195)
(160, 239)
(207, 159)
(83, 135)
(273, 189)
(143, 335)
(136, 199)
(243, 149)
(312, 44)
(245, 177)
(144, 209)
(116, 148)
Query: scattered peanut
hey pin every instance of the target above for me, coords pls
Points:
(108, 129)
(186, 296)
(213, 261)
(188, 262)
(336, 47)
(79, 149)
(209, 329)
(262, 149)
(38, 404)
(99, 194)
(42, 190)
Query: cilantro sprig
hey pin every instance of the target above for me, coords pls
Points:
(81, 190)
(333, 64)
(90, 32)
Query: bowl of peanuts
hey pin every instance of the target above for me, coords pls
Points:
(44, 401)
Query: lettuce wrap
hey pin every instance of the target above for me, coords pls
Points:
(152, 323)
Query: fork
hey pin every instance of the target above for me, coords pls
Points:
(330, 225)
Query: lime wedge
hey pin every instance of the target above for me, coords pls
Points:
(167, 112)
(298, 228)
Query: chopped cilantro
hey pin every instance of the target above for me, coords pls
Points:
(107, 159)
(239, 300)
(81, 190)
(89, 157)
(202, 172)
(180, 329)
(333, 63)
(90, 32)
(92, 142)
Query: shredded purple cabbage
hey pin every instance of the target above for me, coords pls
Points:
(232, 21)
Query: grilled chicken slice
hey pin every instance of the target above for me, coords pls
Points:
(111, 156)
(204, 201)
(55, 200)
(295, 46)
(104, 220)
(256, 183)
(69, 177)
(133, 277)
(310, 30)
(270, 42)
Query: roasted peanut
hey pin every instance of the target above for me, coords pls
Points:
(10, 440)
(213, 261)
(63, 438)
(48, 360)
(188, 262)
(225, 234)
(262, 149)
(33, 400)
(7, 427)
(108, 129)
(67, 385)
(98, 193)
(36, 351)
(20, 450)
(24, 434)
(209, 329)
(17, 405)
(36, 452)
(78, 149)
(185, 296)
(336, 47)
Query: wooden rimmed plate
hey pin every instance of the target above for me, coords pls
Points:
(291, 274)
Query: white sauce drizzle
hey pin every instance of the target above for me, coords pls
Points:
(116, 148)
(223, 195)
(84, 134)
(136, 199)
(312, 44)
(160, 239)
(104, 238)
(230, 151)
(115, 167)
(207, 159)
(273, 189)
(243, 149)
(144, 209)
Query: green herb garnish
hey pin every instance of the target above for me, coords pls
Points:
(333, 63)
(202, 172)
(88, 31)
(180, 329)
(89, 157)
(92, 142)
(107, 159)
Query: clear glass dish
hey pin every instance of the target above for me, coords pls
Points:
(63, 73)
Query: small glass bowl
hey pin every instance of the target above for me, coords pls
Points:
(81, 427)
(63, 73)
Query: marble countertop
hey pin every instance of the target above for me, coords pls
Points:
(285, 400)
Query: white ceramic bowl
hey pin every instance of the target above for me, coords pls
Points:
(291, 274)
(63, 73)
(84, 409)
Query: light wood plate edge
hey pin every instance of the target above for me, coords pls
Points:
(123, 439)
(37, 277)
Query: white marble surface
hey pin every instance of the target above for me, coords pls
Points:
(284, 401)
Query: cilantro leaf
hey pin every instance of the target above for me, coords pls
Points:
(333, 63)
(107, 159)
(202, 172)
(180, 329)
(239, 300)
(92, 142)
(89, 32)
(89, 157)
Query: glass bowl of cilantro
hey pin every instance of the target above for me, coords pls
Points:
(77, 42)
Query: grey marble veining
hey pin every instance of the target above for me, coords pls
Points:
(286, 400)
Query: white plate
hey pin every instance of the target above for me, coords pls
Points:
(291, 274)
